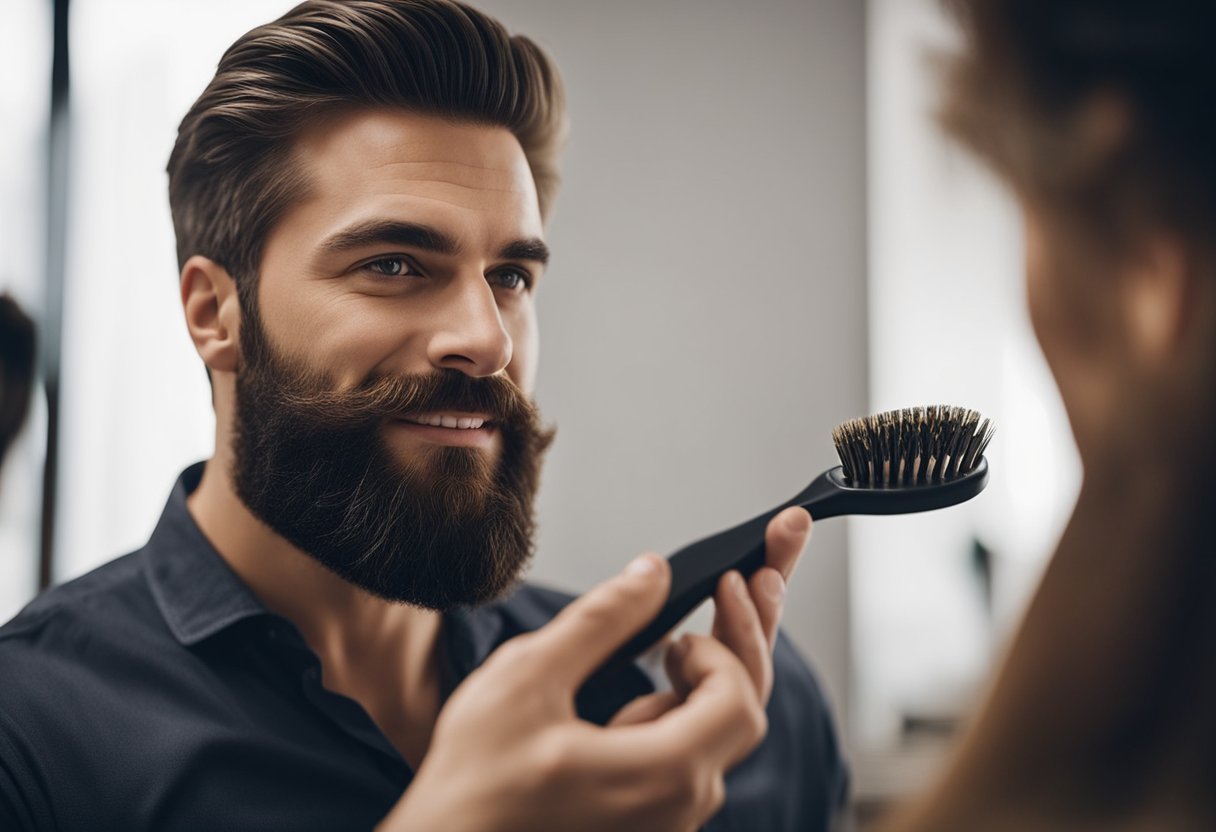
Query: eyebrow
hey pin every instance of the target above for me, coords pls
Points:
(374, 232)
(425, 237)
(532, 248)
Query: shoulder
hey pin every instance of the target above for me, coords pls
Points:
(62, 648)
(53, 653)
(109, 594)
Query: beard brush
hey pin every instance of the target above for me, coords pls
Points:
(897, 462)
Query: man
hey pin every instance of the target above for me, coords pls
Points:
(358, 198)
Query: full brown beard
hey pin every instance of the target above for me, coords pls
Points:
(448, 529)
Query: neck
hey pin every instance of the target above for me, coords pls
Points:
(382, 654)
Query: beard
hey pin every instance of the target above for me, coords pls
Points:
(447, 529)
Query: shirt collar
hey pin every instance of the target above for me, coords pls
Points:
(197, 592)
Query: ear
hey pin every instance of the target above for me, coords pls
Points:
(1157, 289)
(213, 312)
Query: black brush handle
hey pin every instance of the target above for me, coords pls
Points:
(697, 567)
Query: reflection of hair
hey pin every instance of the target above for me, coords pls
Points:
(16, 369)
(230, 173)
(1100, 107)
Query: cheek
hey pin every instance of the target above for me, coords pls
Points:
(1049, 299)
(1071, 309)
(1039, 303)
(1038, 300)
(345, 337)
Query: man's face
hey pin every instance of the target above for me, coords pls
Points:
(382, 419)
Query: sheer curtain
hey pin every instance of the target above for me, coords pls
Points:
(136, 405)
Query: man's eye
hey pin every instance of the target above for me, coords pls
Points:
(391, 266)
(513, 279)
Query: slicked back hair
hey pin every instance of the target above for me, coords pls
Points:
(231, 172)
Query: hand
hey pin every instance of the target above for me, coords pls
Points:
(747, 615)
(510, 753)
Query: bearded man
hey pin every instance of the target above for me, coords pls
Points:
(327, 628)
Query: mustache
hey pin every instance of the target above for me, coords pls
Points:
(395, 396)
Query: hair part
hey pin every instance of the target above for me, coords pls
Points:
(232, 173)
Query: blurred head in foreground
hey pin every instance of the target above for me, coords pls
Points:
(1099, 114)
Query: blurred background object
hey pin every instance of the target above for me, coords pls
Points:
(16, 370)
(761, 234)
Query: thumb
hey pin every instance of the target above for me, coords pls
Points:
(588, 631)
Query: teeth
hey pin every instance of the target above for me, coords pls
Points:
(439, 420)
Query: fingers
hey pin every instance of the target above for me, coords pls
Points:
(748, 615)
(785, 538)
(767, 590)
(722, 718)
(738, 625)
(645, 709)
(588, 631)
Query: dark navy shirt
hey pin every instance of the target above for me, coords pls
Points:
(157, 693)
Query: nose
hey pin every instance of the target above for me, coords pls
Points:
(469, 334)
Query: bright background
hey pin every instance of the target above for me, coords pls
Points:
(761, 234)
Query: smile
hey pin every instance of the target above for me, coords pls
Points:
(462, 430)
(457, 421)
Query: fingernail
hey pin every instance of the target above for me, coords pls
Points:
(643, 565)
(798, 522)
(772, 585)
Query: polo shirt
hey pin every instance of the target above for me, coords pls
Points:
(157, 693)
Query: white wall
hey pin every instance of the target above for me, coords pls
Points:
(702, 323)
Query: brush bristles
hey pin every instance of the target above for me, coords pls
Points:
(912, 446)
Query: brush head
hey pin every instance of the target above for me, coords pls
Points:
(912, 446)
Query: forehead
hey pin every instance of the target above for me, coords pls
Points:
(471, 179)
